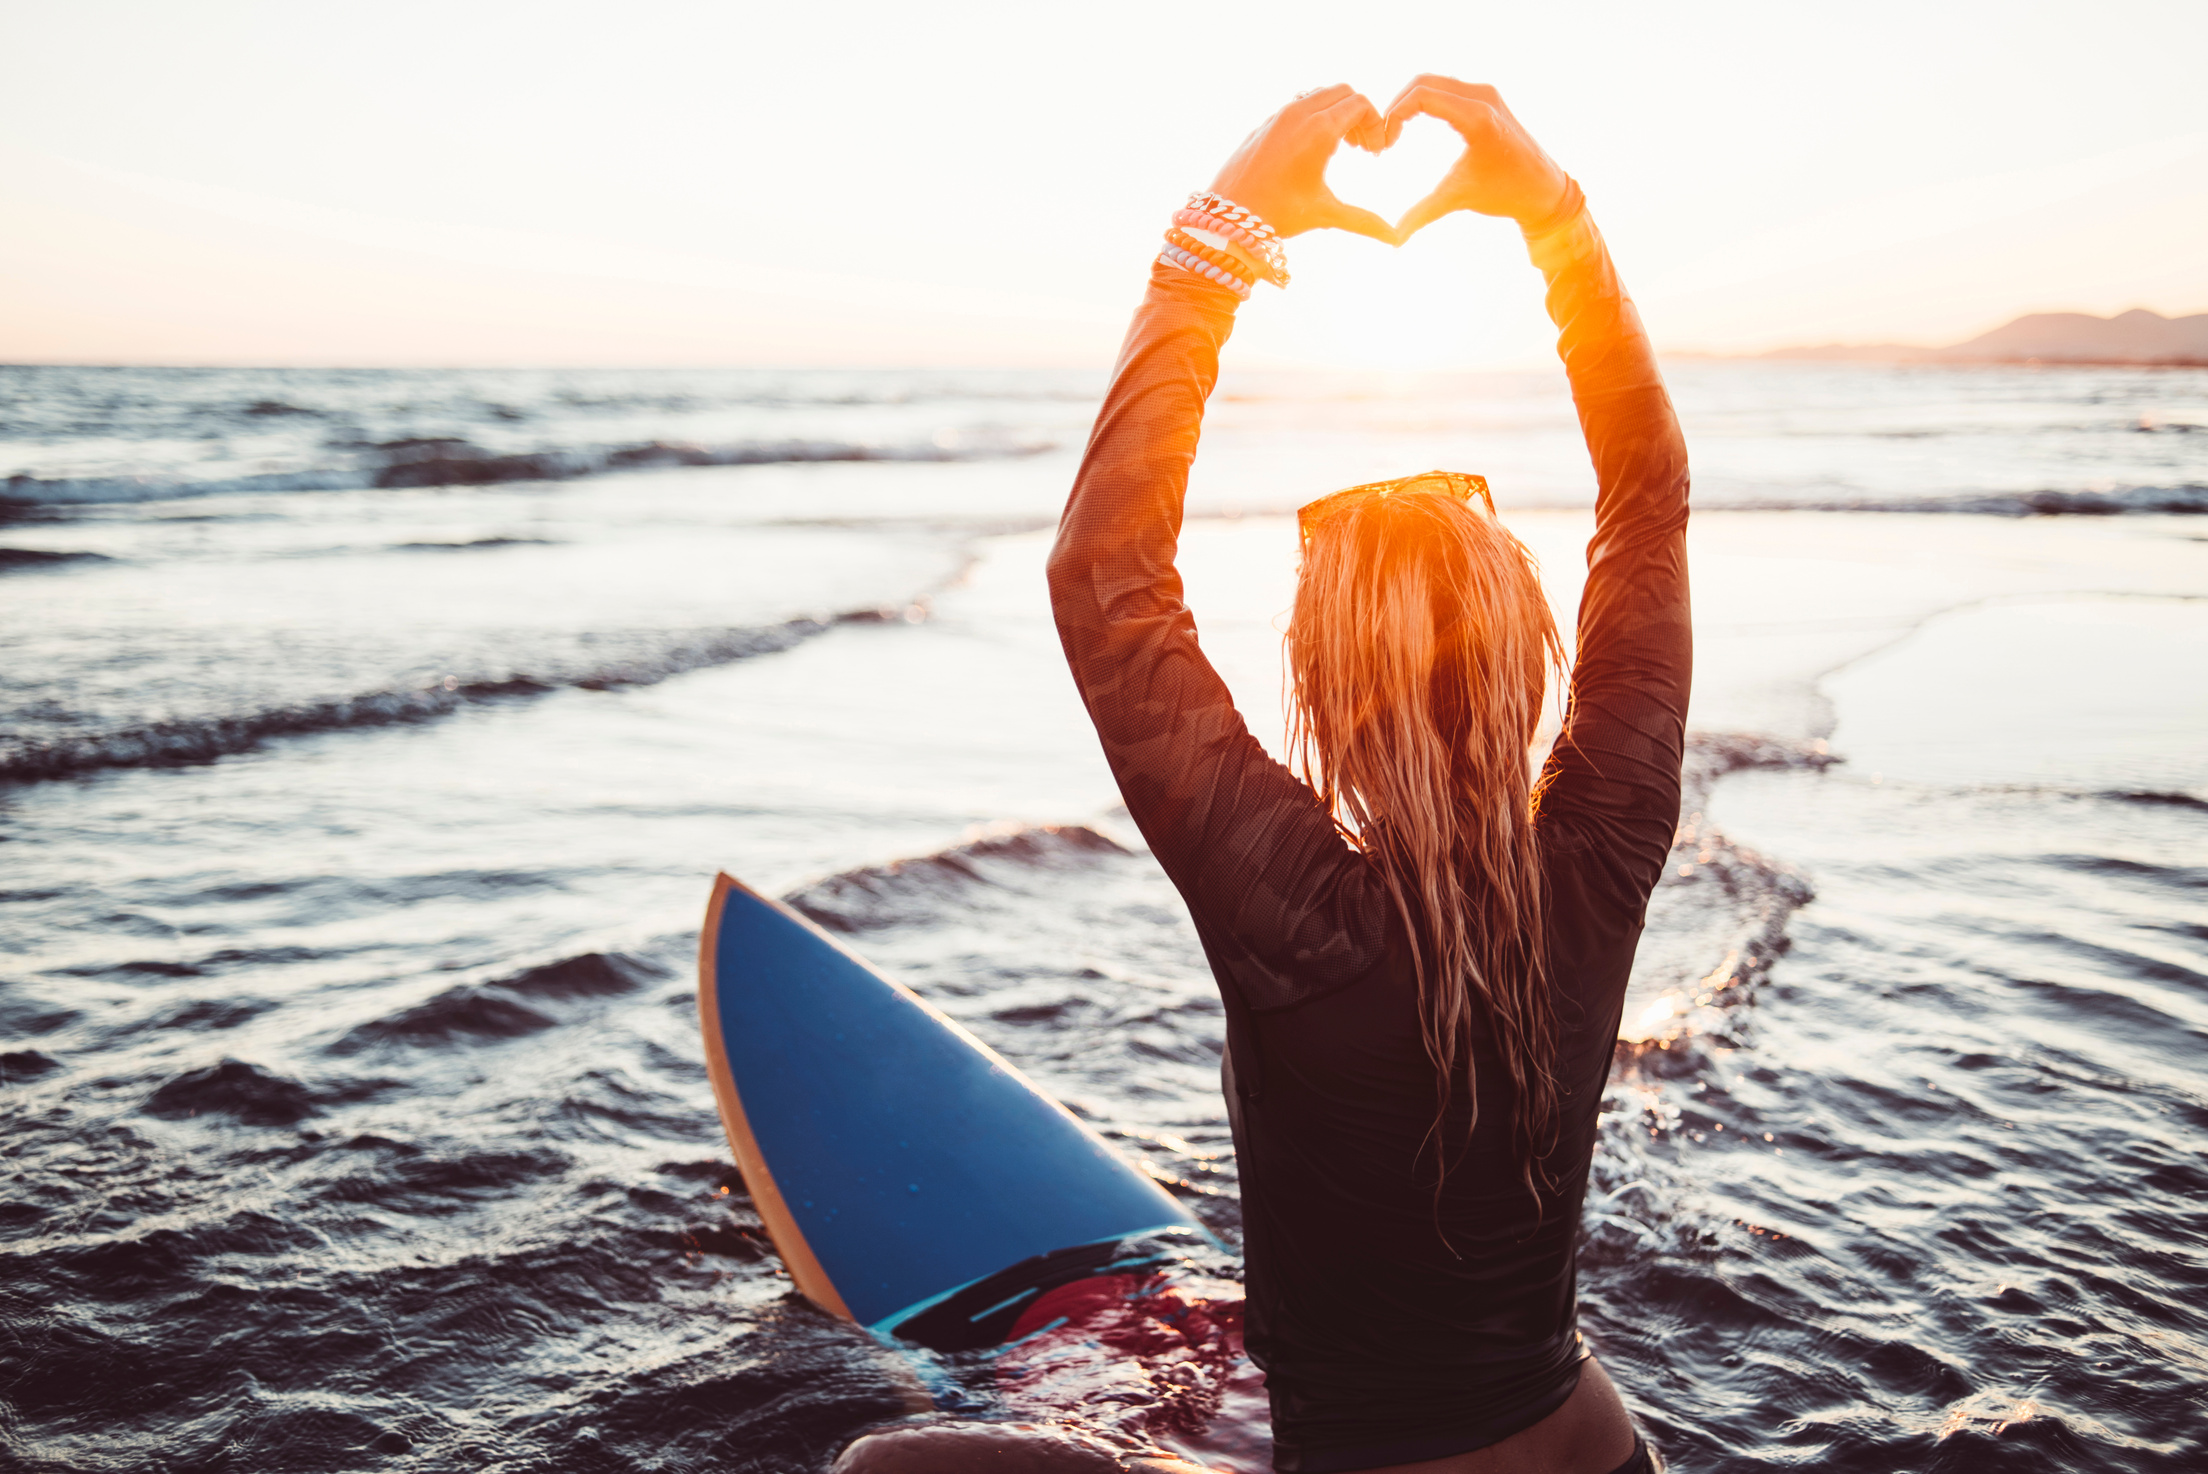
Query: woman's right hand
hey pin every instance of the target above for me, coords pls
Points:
(1279, 172)
(1502, 171)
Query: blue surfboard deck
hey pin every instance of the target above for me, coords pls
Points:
(900, 1165)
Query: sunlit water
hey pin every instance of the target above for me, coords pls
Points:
(357, 829)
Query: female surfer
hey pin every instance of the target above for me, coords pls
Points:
(1422, 948)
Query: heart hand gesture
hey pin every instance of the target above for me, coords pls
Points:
(1280, 170)
(1502, 171)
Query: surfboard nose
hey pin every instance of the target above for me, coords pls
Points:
(899, 1163)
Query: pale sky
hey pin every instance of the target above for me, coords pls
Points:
(484, 182)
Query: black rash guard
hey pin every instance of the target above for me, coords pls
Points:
(1391, 1327)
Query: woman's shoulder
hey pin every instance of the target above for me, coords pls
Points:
(1290, 934)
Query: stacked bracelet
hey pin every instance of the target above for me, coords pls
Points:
(1249, 227)
(1174, 256)
(1225, 261)
(1226, 209)
(1270, 260)
(1258, 255)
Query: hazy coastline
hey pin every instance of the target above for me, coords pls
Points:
(2138, 338)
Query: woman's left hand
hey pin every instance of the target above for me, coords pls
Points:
(1279, 172)
(1502, 171)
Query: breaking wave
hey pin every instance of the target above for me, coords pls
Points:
(439, 461)
(2188, 499)
(1716, 921)
(18, 558)
(202, 739)
(916, 891)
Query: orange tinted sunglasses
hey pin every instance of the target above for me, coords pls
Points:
(1460, 484)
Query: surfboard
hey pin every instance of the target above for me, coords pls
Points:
(911, 1179)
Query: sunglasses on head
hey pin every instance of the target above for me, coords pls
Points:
(1460, 484)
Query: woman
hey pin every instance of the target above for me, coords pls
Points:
(1423, 952)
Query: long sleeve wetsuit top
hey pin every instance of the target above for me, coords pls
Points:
(1392, 1325)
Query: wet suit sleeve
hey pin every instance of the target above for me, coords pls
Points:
(1610, 789)
(1280, 899)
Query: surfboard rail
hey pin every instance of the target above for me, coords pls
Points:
(766, 1194)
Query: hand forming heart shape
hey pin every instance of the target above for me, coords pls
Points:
(1392, 181)
(1280, 171)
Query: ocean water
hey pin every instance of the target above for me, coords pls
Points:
(368, 741)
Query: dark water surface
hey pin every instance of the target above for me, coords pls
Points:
(353, 840)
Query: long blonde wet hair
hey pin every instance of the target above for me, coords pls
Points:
(1419, 654)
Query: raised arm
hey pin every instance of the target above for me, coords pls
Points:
(1616, 767)
(1249, 846)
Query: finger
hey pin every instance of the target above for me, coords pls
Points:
(1318, 99)
(1469, 91)
(1353, 118)
(1471, 117)
(1409, 103)
(1438, 87)
(1424, 213)
(1431, 80)
(1363, 222)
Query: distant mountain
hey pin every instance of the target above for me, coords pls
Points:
(2134, 337)
(2137, 336)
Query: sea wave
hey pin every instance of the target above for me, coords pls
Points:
(2186, 499)
(1717, 920)
(12, 559)
(923, 889)
(526, 1003)
(201, 739)
(437, 461)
